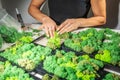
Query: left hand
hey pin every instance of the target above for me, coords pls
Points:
(68, 25)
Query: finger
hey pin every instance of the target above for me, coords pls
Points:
(50, 32)
(61, 26)
(64, 29)
(47, 32)
(70, 28)
(53, 30)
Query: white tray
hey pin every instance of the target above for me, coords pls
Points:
(44, 40)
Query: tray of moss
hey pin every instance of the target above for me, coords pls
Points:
(46, 75)
(110, 49)
(27, 55)
(102, 44)
(49, 76)
(88, 41)
(32, 73)
(12, 72)
(40, 69)
(112, 69)
(67, 65)
(55, 42)
(2, 59)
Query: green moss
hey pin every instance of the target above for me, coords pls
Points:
(1, 41)
(10, 72)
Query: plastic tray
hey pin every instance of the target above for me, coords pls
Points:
(37, 66)
(67, 49)
(42, 72)
(112, 69)
(34, 77)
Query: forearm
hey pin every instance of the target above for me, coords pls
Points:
(93, 21)
(37, 14)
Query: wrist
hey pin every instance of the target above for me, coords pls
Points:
(44, 19)
(80, 22)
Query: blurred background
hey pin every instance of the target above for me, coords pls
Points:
(113, 11)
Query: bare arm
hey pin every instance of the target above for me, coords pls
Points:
(99, 18)
(34, 10)
(99, 11)
(47, 23)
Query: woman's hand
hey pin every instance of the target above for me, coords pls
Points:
(68, 25)
(49, 26)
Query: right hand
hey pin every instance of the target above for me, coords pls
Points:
(49, 26)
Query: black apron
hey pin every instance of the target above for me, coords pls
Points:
(60, 10)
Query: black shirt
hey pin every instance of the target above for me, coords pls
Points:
(61, 10)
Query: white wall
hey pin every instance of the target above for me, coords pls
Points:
(22, 5)
(113, 11)
(0, 4)
(118, 26)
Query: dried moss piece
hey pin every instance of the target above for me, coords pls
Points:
(88, 49)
